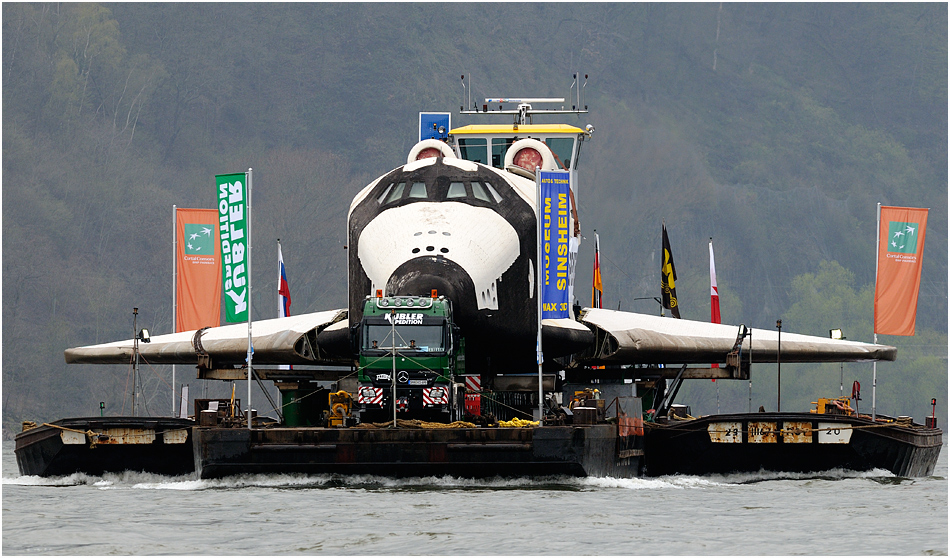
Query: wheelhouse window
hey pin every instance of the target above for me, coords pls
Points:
(499, 147)
(474, 149)
(563, 150)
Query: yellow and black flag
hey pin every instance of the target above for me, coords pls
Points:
(668, 277)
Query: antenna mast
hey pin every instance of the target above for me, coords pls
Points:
(524, 110)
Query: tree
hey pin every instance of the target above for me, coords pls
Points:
(827, 300)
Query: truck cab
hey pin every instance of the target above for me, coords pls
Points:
(413, 339)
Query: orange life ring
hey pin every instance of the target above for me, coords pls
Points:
(526, 154)
(429, 148)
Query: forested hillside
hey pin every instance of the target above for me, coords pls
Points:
(773, 128)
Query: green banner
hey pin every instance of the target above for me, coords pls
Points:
(232, 217)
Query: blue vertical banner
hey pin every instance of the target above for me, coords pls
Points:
(555, 240)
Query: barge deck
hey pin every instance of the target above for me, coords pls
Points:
(594, 450)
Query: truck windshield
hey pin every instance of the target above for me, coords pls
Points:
(422, 338)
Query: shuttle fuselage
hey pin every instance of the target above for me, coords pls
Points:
(449, 222)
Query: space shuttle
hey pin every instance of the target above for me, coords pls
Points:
(459, 219)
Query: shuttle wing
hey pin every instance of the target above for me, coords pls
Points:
(290, 340)
(628, 338)
(613, 337)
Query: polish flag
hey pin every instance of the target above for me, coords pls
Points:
(713, 290)
(713, 293)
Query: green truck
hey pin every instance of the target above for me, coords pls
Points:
(414, 339)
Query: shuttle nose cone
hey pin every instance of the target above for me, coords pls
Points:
(420, 276)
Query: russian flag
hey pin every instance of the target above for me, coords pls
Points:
(283, 290)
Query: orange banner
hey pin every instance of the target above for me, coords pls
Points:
(198, 266)
(899, 261)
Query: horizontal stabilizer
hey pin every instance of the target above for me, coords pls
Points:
(629, 338)
(290, 340)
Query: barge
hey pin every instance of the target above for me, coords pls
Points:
(98, 445)
(790, 442)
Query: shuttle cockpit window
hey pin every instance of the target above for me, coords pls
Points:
(563, 150)
(494, 193)
(396, 193)
(474, 149)
(479, 191)
(475, 190)
(399, 190)
(456, 190)
(382, 196)
(418, 190)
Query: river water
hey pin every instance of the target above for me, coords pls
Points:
(838, 512)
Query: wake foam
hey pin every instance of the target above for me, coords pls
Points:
(148, 481)
(831, 475)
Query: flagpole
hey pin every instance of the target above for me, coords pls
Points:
(135, 349)
(750, 369)
(174, 289)
(539, 290)
(714, 316)
(250, 303)
(600, 277)
(392, 377)
(877, 258)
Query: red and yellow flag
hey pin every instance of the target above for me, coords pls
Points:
(598, 286)
(899, 261)
(198, 269)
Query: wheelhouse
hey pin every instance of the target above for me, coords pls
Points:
(489, 143)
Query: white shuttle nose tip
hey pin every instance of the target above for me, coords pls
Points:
(479, 240)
